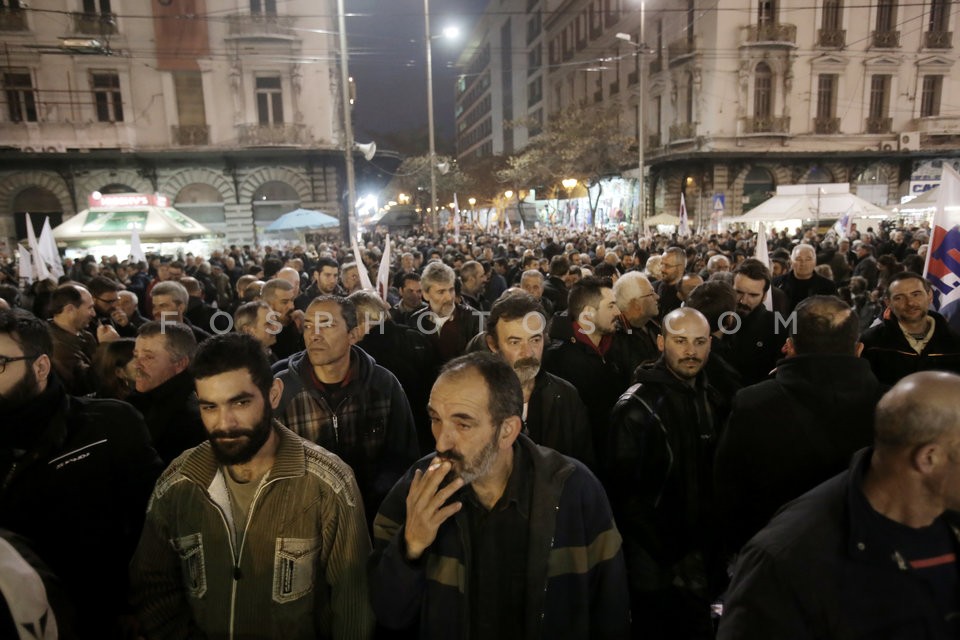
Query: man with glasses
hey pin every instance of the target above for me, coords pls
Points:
(106, 303)
(76, 472)
(672, 265)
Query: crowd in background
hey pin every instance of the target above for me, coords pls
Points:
(654, 362)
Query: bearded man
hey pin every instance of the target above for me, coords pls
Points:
(494, 536)
(553, 414)
(255, 533)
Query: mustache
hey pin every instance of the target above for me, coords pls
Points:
(236, 433)
(525, 363)
(450, 456)
(691, 360)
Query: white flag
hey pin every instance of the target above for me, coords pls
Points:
(506, 218)
(48, 246)
(136, 250)
(764, 257)
(942, 268)
(523, 229)
(361, 268)
(456, 219)
(26, 269)
(383, 273)
(40, 271)
(684, 230)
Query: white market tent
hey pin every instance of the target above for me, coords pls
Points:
(662, 219)
(796, 203)
(924, 203)
(155, 224)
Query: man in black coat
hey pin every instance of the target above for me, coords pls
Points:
(553, 414)
(790, 433)
(755, 345)
(871, 553)
(555, 289)
(77, 473)
(802, 281)
(639, 311)
(672, 266)
(910, 337)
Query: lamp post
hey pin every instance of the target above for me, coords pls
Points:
(433, 146)
(641, 49)
(347, 122)
(473, 204)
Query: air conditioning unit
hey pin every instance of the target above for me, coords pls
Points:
(909, 141)
(888, 146)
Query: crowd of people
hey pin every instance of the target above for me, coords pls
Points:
(554, 434)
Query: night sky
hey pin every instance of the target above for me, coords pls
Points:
(388, 64)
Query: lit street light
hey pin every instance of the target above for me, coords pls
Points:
(641, 48)
(448, 32)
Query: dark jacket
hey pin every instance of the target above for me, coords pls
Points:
(669, 297)
(557, 418)
(72, 357)
(639, 345)
(576, 585)
(787, 435)
(659, 463)
(816, 285)
(754, 349)
(289, 341)
(452, 338)
(555, 290)
(891, 357)
(76, 474)
(198, 313)
(821, 569)
(372, 429)
(172, 414)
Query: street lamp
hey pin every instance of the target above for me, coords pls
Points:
(448, 32)
(347, 123)
(473, 204)
(641, 48)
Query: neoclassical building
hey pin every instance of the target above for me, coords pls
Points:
(729, 98)
(231, 108)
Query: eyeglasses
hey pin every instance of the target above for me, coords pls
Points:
(109, 300)
(5, 359)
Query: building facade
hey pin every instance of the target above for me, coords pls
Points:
(231, 108)
(737, 97)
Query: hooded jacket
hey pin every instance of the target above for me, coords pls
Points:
(372, 429)
(892, 358)
(788, 434)
(298, 571)
(576, 585)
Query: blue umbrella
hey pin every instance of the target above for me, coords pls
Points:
(303, 220)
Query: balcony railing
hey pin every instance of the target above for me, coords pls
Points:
(258, 25)
(683, 131)
(780, 124)
(938, 39)
(13, 20)
(653, 141)
(832, 37)
(679, 49)
(256, 135)
(885, 39)
(767, 33)
(190, 135)
(879, 125)
(95, 24)
(826, 125)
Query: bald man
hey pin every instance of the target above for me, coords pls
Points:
(872, 551)
(659, 456)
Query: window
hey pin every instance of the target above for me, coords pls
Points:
(106, 96)
(939, 16)
(879, 96)
(534, 92)
(269, 100)
(832, 12)
(94, 7)
(263, 7)
(534, 59)
(534, 26)
(826, 95)
(691, 19)
(762, 91)
(930, 96)
(766, 12)
(886, 15)
(689, 98)
(21, 97)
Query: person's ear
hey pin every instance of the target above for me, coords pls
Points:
(276, 391)
(41, 369)
(661, 344)
(509, 430)
(491, 343)
(858, 350)
(356, 334)
(789, 348)
(181, 364)
(926, 457)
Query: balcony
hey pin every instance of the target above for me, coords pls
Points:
(877, 124)
(938, 39)
(771, 34)
(832, 38)
(885, 39)
(683, 131)
(260, 25)
(777, 125)
(261, 135)
(653, 141)
(826, 126)
(95, 24)
(938, 125)
(190, 135)
(13, 19)
(678, 50)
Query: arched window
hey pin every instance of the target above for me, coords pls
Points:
(818, 175)
(39, 203)
(116, 187)
(201, 202)
(659, 196)
(872, 185)
(272, 200)
(763, 92)
(758, 186)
